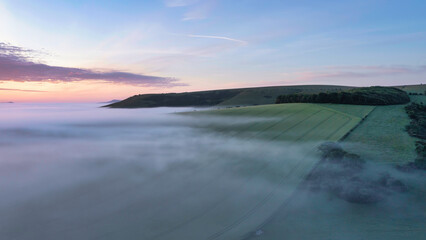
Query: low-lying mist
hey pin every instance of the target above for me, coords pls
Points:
(77, 171)
(349, 197)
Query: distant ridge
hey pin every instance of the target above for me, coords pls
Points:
(224, 97)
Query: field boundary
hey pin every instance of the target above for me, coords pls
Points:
(356, 126)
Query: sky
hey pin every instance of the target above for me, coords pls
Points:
(82, 51)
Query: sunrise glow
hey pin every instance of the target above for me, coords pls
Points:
(96, 51)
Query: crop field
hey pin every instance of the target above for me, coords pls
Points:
(382, 137)
(289, 122)
(298, 128)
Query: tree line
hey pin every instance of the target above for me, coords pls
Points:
(356, 96)
(417, 129)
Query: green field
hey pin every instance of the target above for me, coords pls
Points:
(298, 128)
(382, 137)
(288, 122)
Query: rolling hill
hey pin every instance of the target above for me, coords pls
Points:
(226, 97)
(299, 124)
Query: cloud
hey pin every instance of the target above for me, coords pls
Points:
(179, 3)
(20, 90)
(218, 37)
(16, 65)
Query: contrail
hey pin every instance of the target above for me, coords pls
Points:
(218, 37)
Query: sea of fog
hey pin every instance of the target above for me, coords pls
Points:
(78, 171)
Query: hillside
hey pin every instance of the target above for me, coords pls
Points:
(289, 122)
(225, 97)
(382, 140)
(414, 89)
(296, 128)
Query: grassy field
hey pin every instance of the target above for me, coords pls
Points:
(382, 137)
(288, 122)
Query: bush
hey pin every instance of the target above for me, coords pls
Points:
(344, 175)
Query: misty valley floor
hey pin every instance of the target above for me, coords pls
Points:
(82, 172)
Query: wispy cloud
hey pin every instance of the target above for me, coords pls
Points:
(20, 90)
(218, 37)
(16, 65)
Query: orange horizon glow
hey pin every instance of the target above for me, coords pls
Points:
(84, 91)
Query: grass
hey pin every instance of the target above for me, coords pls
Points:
(353, 110)
(382, 137)
(289, 122)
